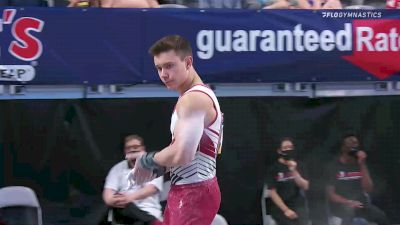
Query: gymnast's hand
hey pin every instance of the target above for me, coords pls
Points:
(139, 174)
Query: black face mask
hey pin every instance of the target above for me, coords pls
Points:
(353, 152)
(287, 155)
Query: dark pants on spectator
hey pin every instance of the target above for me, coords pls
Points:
(131, 214)
(369, 212)
(281, 219)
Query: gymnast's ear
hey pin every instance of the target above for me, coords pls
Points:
(188, 62)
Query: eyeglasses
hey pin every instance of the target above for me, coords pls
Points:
(133, 146)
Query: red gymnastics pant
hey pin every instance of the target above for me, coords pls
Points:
(192, 204)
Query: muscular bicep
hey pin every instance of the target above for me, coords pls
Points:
(192, 112)
(188, 132)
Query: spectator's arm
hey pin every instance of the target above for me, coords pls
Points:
(278, 200)
(111, 186)
(366, 181)
(108, 196)
(300, 181)
(334, 197)
(147, 191)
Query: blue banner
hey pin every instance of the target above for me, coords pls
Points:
(109, 46)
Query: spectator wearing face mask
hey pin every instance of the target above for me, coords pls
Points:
(285, 181)
(349, 181)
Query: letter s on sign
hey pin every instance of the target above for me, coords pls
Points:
(26, 47)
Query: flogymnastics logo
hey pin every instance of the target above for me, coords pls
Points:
(375, 44)
(24, 46)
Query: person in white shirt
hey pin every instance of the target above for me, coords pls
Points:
(132, 202)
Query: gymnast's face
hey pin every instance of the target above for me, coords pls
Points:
(172, 68)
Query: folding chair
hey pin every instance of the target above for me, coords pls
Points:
(267, 219)
(333, 220)
(19, 205)
(219, 220)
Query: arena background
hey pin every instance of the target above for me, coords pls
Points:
(63, 149)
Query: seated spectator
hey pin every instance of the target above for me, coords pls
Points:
(116, 3)
(130, 202)
(349, 182)
(285, 179)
